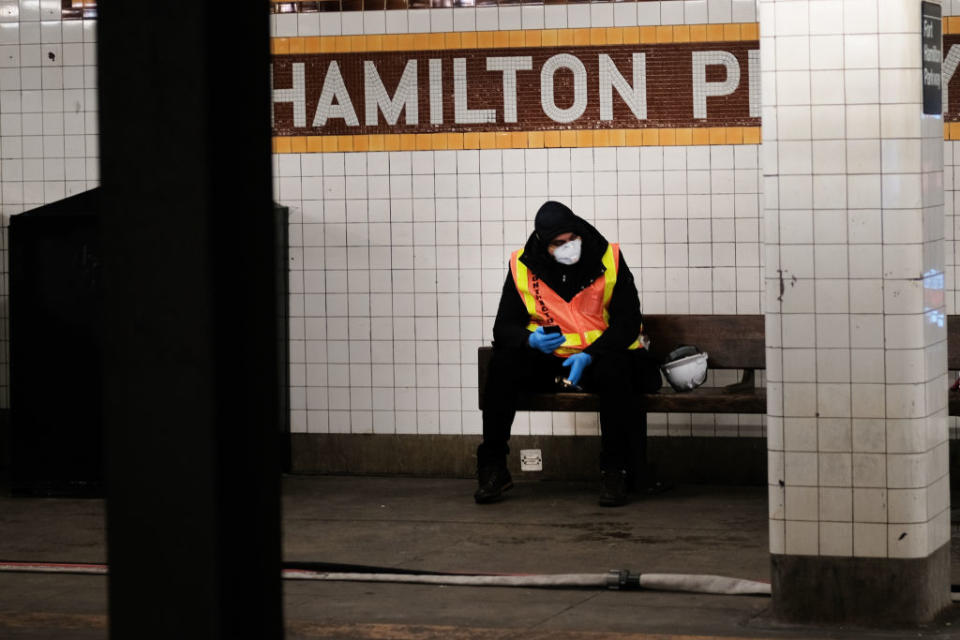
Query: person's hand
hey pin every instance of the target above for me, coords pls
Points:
(545, 342)
(577, 363)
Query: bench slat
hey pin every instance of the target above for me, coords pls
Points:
(707, 400)
(700, 400)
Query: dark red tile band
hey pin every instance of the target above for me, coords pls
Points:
(669, 86)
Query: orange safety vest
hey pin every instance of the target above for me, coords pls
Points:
(584, 318)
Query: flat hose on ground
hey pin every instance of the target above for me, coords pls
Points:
(616, 579)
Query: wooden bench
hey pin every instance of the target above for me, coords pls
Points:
(732, 342)
(953, 359)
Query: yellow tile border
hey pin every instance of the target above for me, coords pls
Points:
(571, 138)
(951, 25)
(590, 36)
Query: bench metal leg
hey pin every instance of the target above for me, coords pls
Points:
(638, 467)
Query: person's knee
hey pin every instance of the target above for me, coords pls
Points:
(613, 370)
(627, 372)
(505, 363)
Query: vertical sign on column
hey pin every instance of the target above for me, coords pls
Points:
(932, 57)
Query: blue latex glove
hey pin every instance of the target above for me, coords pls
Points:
(577, 363)
(545, 342)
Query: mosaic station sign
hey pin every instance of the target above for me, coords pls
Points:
(706, 84)
(951, 58)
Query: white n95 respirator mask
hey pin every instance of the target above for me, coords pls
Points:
(568, 253)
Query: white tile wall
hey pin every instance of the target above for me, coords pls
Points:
(427, 235)
(48, 120)
(399, 258)
(695, 243)
(951, 207)
(855, 332)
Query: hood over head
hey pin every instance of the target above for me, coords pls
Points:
(552, 219)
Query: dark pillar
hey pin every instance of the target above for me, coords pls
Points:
(190, 394)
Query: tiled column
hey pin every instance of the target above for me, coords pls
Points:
(856, 338)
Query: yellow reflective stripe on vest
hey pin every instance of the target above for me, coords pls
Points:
(610, 281)
(522, 281)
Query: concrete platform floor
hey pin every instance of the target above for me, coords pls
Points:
(433, 524)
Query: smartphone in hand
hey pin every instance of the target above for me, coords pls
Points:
(551, 329)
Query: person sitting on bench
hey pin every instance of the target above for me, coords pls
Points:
(569, 317)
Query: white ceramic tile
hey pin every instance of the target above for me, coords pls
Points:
(464, 19)
(351, 22)
(671, 12)
(825, 17)
(791, 18)
(777, 536)
(860, 51)
(532, 17)
(869, 469)
(511, 18)
(829, 191)
(802, 538)
(860, 16)
(744, 11)
(441, 20)
(578, 15)
(795, 157)
(861, 86)
(836, 504)
(695, 11)
(836, 539)
(286, 25)
(830, 261)
(897, 86)
(869, 540)
(801, 503)
(827, 87)
(719, 11)
(601, 14)
(899, 121)
(907, 540)
(834, 400)
(555, 16)
(829, 157)
(793, 53)
(897, 50)
(897, 17)
(907, 505)
(863, 120)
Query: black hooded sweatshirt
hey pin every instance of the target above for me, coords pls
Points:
(554, 218)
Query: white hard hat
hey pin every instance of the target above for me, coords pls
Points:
(685, 368)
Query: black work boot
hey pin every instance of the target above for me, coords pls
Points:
(493, 482)
(613, 488)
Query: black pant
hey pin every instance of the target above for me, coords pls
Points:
(614, 376)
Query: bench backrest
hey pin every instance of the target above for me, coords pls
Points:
(732, 341)
(953, 343)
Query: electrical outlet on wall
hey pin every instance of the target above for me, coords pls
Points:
(531, 460)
